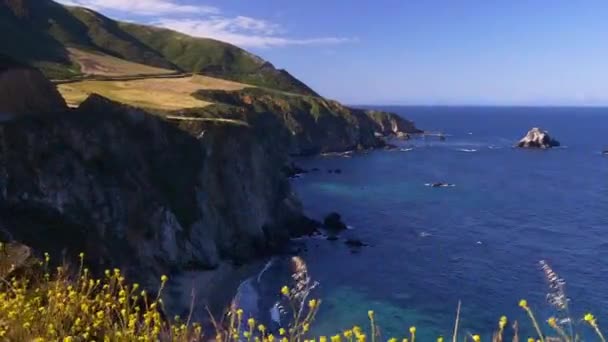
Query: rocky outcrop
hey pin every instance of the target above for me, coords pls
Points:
(392, 124)
(537, 138)
(25, 90)
(16, 258)
(311, 125)
(333, 222)
(132, 190)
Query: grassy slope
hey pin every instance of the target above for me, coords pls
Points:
(151, 93)
(215, 58)
(39, 32)
(93, 63)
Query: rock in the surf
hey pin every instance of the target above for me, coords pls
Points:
(537, 138)
(355, 243)
(333, 222)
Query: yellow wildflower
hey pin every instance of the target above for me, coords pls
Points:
(476, 338)
(282, 331)
(285, 290)
(370, 314)
(502, 323)
(440, 339)
(164, 278)
(523, 304)
(412, 330)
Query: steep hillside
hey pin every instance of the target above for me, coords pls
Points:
(215, 58)
(40, 31)
(310, 124)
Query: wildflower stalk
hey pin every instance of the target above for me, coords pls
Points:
(557, 294)
(455, 334)
(590, 319)
(370, 314)
(524, 305)
(502, 323)
(552, 321)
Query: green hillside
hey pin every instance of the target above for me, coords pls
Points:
(40, 31)
(215, 58)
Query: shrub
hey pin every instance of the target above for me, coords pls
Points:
(59, 306)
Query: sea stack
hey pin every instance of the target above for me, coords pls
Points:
(537, 138)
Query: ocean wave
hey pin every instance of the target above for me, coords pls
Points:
(469, 150)
(406, 149)
(440, 186)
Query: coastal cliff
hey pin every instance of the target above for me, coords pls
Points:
(311, 124)
(132, 190)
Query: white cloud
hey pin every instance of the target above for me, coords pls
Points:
(244, 32)
(142, 7)
(206, 21)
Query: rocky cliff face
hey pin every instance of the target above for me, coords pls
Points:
(391, 123)
(25, 90)
(132, 190)
(311, 124)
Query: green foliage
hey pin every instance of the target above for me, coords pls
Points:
(215, 58)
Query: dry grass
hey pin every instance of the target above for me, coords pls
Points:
(157, 93)
(92, 63)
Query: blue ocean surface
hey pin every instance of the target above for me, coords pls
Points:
(478, 242)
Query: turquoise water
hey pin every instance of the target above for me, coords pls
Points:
(479, 242)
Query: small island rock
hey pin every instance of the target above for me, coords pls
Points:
(537, 138)
(333, 222)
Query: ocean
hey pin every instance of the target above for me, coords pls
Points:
(478, 242)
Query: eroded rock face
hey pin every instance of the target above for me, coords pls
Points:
(392, 124)
(537, 138)
(24, 90)
(132, 190)
(310, 125)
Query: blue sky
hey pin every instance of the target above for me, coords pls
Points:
(409, 52)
